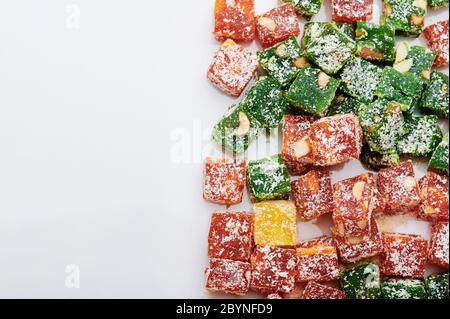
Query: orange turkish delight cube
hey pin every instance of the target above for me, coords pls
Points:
(234, 19)
(434, 195)
(438, 252)
(313, 194)
(317, 259)
(228, 276)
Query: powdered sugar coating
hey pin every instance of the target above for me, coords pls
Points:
(437, 37)
(232, 68)
(397, 184)
(273, 269)
(224, 180)
(314, 290)
(336, 139)
(228, 276)
(434, 189)
(231, 236)
(234, 19)
(403, 255)
(317, 259)
(351, 11)
(438, 252)
(277, 25)
(313, 194)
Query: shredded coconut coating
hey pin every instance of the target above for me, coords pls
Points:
(228, 276)
(438, 252)
(437, 37)
(351, 11)
(234, 19)
(314, 290)
(434, 190)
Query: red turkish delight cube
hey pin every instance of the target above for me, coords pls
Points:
(313, 194)
(434, 194)
(224, 180)
(317, 259)
(228, 276)
(438, 252)
(296, 149)
(351, 11)
(273, 269)
(277, 25)
(232, 68)
(398, 186)
(403, 255)
(234, 19)
(378, 203)
(352, 211)
(353, 249)
(314, 290)
(336, 139)
(231, 236)
(437, 38)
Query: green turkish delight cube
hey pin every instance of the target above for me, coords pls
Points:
(306, 8)
(399, 87)
(362, 282)
(406, 16)
(377, 161)
(435, 4)
(435, 98)
(343, 104)
(268, 179)
(424, 135)
(439, 159)
(331, 49)
(314, 29)
(395, 288)
(281, 61)
(264, 102)
(236, 130)
(383, 124)
(360, 79)
(312, 91)
(438, 286)
(422, 60)
(375, 42)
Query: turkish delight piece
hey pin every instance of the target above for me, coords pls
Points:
(424, 135)
(351, 11)
(435, 98)
(275, 223)
(228, 276)
(274, 296)
(313, 30)
(438, 252)
(330, 49)
(360, 79)
(317, 259)
(362, 282)
(234, 19)
(277, 25)
(224, 180)
(265, 103)
(283, 60)
(406, 16)
(353, 249)
(437, 39)
(306, 8)
(314, 290)
(313, 194)
(236, 130)
(403, 255)
(231, 236)
(437, 286)
(418, 61)
(398, 186)
(273, 269)
(353, 206)
(434, 197)
(439, 159)
(435, 4)
(343, 104)
(377, 161)
(375, 42)
(312, 91)
(232, 68)
(398, 288)
(336, 139)
(268, 178)
(296, 148)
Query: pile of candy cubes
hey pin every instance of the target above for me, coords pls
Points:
(345, 92)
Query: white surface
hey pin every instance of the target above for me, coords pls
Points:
(88, 121)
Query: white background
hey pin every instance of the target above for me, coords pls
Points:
(89, 123)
